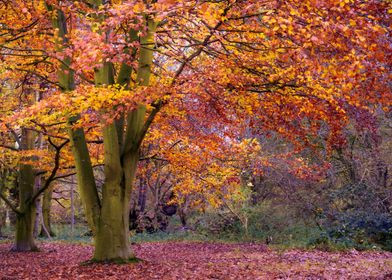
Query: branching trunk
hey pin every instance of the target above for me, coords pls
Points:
(109, 217)
(112, 239)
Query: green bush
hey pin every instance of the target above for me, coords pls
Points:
(361, 229)
(275, 224)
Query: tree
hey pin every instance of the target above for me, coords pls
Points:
(46, 228)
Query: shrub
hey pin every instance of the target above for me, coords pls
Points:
(361, 229)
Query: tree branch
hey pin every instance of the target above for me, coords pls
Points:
(8, 202)
(54, 170)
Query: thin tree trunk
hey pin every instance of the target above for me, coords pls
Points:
(3, 216)
(142, 195)
(38, 213)
(85, 177)
(46, 229)
(3, 209)
(72, 208)
(182, 215)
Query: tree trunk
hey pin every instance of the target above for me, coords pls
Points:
(24, 238)
(72, 208)
(3, 216)
(38, 217)
(141, 204)
(13, 194)
(46, 207)
(112, 235)
(111, 239)
(109, 216)
(84, 170)
(38, 208)
(182, 215)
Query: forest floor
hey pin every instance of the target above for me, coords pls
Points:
(192, 260)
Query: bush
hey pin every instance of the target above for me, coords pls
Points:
(274, 224)
(325, 242)
(361, 229)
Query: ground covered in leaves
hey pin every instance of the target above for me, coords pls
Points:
(178, 260)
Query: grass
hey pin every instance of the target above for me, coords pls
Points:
(112, 261)
(161, 236)
(63, 232)
(289, 237)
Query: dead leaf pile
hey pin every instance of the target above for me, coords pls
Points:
(178, 260)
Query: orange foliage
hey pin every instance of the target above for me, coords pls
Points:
(224, 70)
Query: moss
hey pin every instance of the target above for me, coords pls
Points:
(119, 261)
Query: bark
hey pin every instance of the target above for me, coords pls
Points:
(13, 193)
(183, 216)
(84, 170)
(38, 217)
(46, 210)
(72, 209)
(38, 207)
(109, 217)
(112, 238)
(85, 177)
(142, 198)
(2, 216)
(3, 210)
(24, 238)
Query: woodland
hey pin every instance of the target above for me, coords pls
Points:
(195, 139)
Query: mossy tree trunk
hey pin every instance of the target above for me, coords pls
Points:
(24, 237)
(3, 210)
(29, 190)
(84, 170)
(8, 188)
(112, 236)
(25, 211)
(46, 212)
(121, 158)
(109, 216)
(2, 217)
(112, 239)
